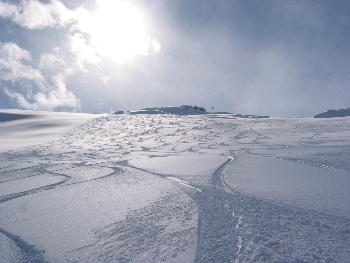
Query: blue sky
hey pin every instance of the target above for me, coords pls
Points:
(273, 57)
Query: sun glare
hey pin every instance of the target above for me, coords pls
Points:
(117, 31)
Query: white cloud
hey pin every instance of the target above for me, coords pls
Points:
(7, 10)
(116, 30)
(49, 100)
(92, 37)
(55, 62)
(20, 99)
(14, 64)
(42, 86)
(84, 53)
(155, 46)
(13, 51)
(33, 14)
(57, 97)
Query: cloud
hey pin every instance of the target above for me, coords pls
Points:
(49, 100)
(55, 62)
(57, 97)
(14, 64)
(84, 53)
(115, 30)
(38, 87)
(7, 10)
(36, 15)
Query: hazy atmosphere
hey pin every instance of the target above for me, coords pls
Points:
(284, 58)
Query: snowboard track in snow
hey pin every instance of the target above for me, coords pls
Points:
(236, 227)
(28, 252)
(62, 183)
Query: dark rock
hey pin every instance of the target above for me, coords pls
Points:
(334, 113)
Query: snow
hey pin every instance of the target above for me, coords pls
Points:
(174, 188)
(19, 128)
(9, 251)
(65, 220)
(293, 183)
(28, 183)
(181, 165)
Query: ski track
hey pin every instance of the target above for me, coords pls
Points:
(28, 253)
(232, 226)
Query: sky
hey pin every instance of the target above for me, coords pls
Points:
(275, 57)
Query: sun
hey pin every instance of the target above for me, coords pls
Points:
(117, 30)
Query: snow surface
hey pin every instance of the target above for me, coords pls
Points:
(19, 128)
(174, 188)
(324, 190)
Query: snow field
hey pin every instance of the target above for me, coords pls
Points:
(166, 188)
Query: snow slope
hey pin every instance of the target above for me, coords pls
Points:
(19, 128)
(178, 188)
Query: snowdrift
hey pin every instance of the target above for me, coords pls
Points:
(20, 128)
(8, 116)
